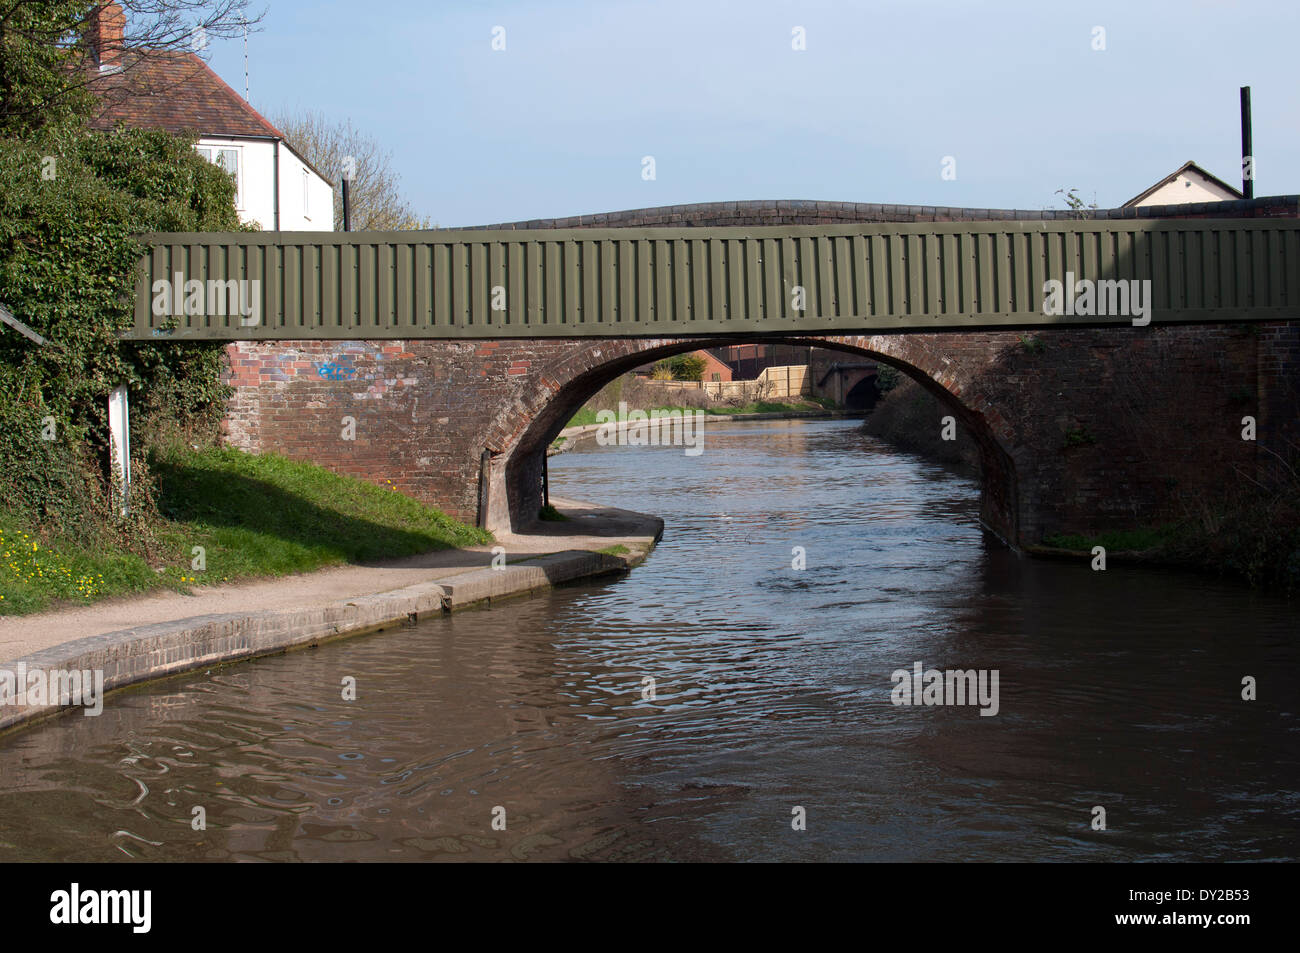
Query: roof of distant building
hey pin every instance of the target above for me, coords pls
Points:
(172, 90)
(1186, 167)
(176, 92)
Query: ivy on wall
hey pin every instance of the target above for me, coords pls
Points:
(72, 203)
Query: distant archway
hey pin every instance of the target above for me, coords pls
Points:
(862, 395)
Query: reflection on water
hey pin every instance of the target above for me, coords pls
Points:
(771, 690)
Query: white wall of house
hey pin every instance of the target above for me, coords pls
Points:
(306, 200)
(1185, 189)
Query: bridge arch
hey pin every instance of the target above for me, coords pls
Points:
(861, 395)
(524, 429)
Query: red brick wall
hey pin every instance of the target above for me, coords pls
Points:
(1096, 429)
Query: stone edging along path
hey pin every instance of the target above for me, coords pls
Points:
(151, 651)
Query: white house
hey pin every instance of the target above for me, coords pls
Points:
(1184, 186)
(276, 188)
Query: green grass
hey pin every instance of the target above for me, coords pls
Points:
(586, 416)
(616, 550)
(254, 515)
(551, 514)
(1131, 540)
(35, 572)
(764, 407)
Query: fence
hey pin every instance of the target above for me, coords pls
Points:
(791, 380)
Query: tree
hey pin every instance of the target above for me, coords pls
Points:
(47, 72)
(376, 201)
(687, 367)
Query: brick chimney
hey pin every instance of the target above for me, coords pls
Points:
(104, 34)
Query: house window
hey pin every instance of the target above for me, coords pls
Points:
(227, 159)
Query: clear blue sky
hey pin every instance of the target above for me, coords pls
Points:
(557, 123)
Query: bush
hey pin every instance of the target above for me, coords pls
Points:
(687, 367)
(682, 367)
(48, 478)
(909, 417)
(71, 206)
(887, 378)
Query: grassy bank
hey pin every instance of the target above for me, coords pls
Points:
(587, 415)
(1255, 539)
(1145, 540)
(799, 405)
(252, 515)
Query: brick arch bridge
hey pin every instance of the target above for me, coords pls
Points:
(1081, 429)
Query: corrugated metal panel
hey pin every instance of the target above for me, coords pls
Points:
(725, 281)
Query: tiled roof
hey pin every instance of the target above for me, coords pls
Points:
(177, 92)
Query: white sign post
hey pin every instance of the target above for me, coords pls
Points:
(119, 425)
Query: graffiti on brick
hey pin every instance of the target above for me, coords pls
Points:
(336, 371)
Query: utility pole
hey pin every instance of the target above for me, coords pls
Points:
(1247, 153)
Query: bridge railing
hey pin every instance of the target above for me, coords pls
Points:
(588, 282)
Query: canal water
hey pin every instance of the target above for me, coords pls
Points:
(770, 706)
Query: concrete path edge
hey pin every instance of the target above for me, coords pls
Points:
(150, 652)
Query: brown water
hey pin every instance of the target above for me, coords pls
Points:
(1118, 689)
